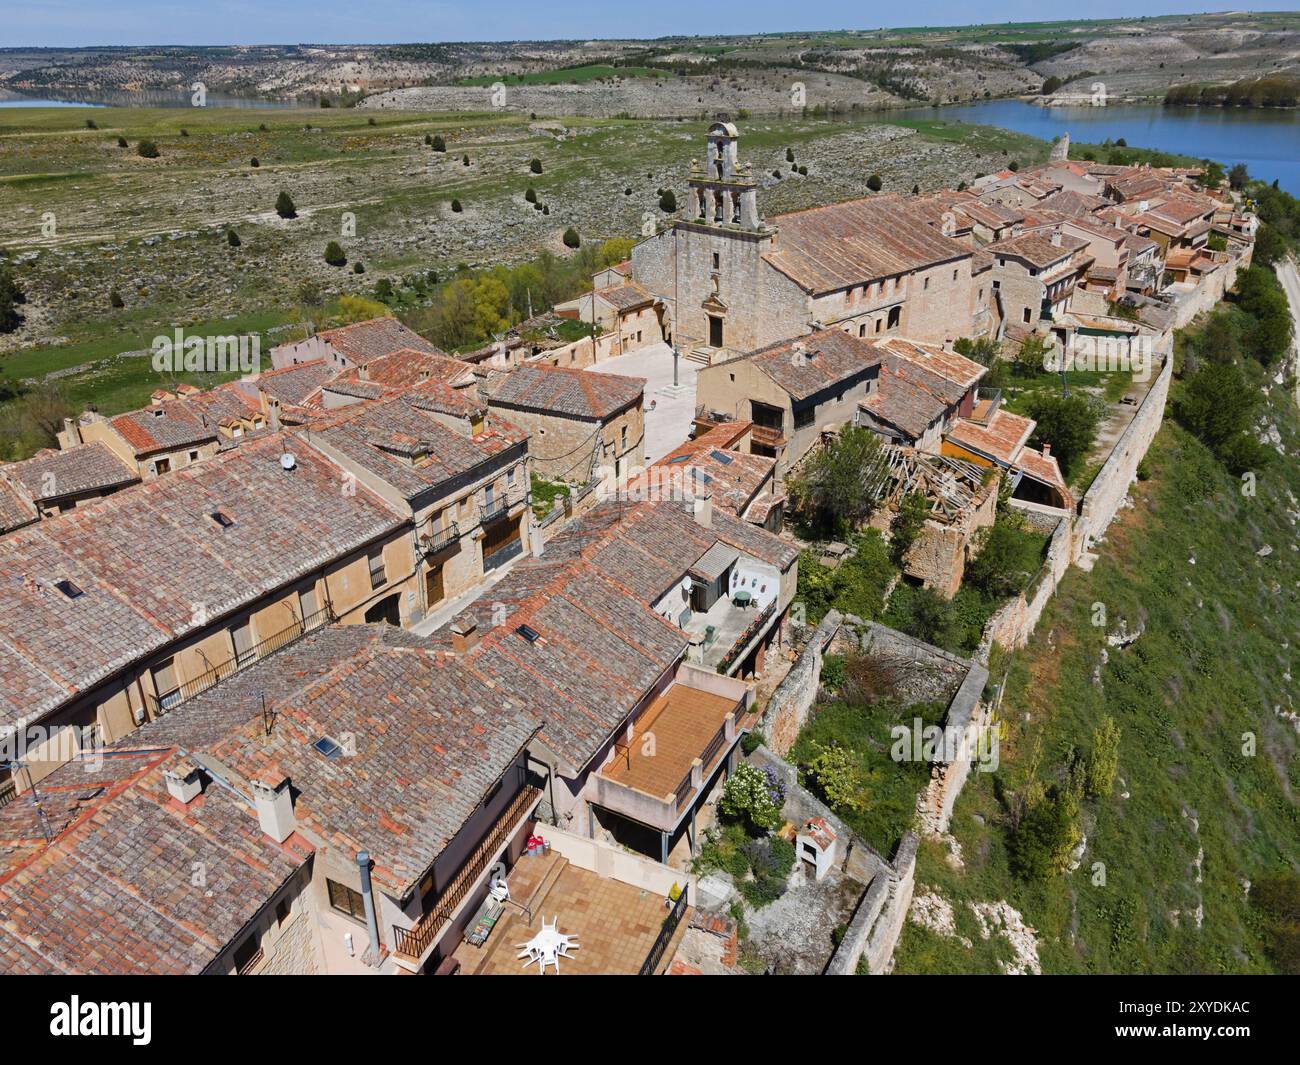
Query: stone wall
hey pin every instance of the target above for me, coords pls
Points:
(788, 708)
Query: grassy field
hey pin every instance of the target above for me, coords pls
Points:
(1208, 768)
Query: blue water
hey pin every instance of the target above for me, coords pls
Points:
(152, 98)
(1267, 141)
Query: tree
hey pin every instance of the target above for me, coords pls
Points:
(1031, 359)
(284, 206)
(11, 297)
(615, 250)
(530, 194)
(983, 350)
(1238, 176)
(232, 238)
(312, 299)
(1008, 556)
(254, 163)
(428, 140)
(1217, 404)
(358, 267)
(571, 238)
(916, 190)
(1067, 423)
(1051, 85)
(535, 166)
(837, 487)
(439, 145)
(456, 207)
(334, 254)
(360, 309)
(912, 513)
(668, 201)
(115, 299)
(1103, 762)
(1040, 845)
(789, 155)
(147, 150)
(121, 142)
(747, 797)
(838, 776)
(464, 160)
(874, 183)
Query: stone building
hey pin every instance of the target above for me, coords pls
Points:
(730, 281)
(580, 423)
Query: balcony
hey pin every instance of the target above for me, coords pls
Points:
(660, 765)
(440, 539)
(721, 634)
(214, 675)
(411, 944)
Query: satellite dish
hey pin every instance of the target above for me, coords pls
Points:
(287, 461)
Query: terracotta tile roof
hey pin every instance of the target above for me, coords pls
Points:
(16, 509)
(1042, 468)
(1037, 249)
(401, 440)
(564, 390)
(112, 893)
(82, 468)
(733, 478)
(809, 364)
(292, 385)
(949, 365)
(192, 419)
(363, 342)
(902, 400)
(845, 244)
(1001, 440)
(408, 366)
(624, 298)
(143, 558)
(589, 598)
(1074, 204)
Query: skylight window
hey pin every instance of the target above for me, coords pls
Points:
(329, 748)
(528, 633)
(69, 589)
(721, 456)
(222, 518)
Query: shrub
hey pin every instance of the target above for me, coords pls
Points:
(184, 132)
(232, 238)
(571, 238)
(464, 160)
(147, 150)
(874, 183)
(254, 163)
(90, 124)
(121, 142)
(115, 299)
(428, 140)
(1067, 423)
(747, 798)
(530, 194)
(1040, 845)
(455, 206)
(371, 121)
(832, 672)
(1276, 897)
(789, 155)
(284, 206)
(837, 775)
(535, 166)
(668, 201)
(836, 489)
(1103, 761)
(334, 254)
(357, 268)
(439, 145)
(1009, 555)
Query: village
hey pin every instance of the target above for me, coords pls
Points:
(385, 659)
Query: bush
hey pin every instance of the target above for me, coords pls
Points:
(837, 775)
(184, 132)
(90, 124)
(1276, 898)
(837, 486)
(874, 183)
(428, 140)
(530, 194)
(254, 163)
(1103, 761)
(535, 166)
(334, 254)
(464, 160)
(455, 206)
(232, 238)
(1009, 555)
(357, 268)
(439, 145)
(121, 142)
(1040, 845)
(1067, 423)
(284, 206)
(147, 150)
(668, 201)
(571, 238)
(115, 299)
(747, 797)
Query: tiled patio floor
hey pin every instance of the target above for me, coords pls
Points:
(615, 924)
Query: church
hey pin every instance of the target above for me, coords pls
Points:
(731, 281)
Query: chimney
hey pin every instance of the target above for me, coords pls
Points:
(464, 634)
(1143, 205)
(183, 782)
(1056, 239)
(72, 430)
(702, 509)
(1047, 450)
(274, 804)
(947, 344)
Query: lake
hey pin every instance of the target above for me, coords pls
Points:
(151, 98)
(1267, 141)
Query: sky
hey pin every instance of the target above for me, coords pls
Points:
(74, 23)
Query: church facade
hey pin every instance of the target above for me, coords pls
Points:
(731, 281)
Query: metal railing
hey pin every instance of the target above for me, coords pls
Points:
(213, 676)
(412, 942)
(8, 792)
(440, 539)
(251, 964)
(665, 936)
(739, 646)
(494, 508)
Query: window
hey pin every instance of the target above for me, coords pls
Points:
(194, 456)
(717, 261)
(246, 953)
(164, 683)
(345, 900)
(161, 466)
(69, 588)
(378, 572)
(805, 416)
(1025, 313)
(283, 911)
(623, 439)
(510, 477)
(926, 285)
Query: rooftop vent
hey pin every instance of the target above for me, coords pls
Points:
(70, 589)
(528, 633)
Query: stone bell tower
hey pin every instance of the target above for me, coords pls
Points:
(723, 191)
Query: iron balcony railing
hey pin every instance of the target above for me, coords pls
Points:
(8, 792)
(213, 676)
(494, 508)
(665, 936)
(412, 942)
(440, 539)
(738, 648)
